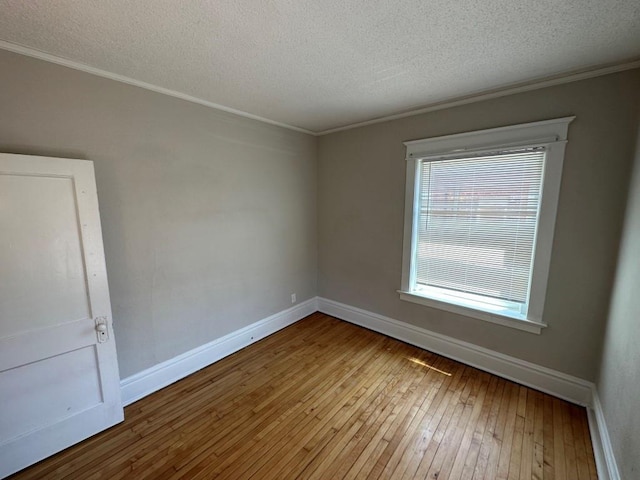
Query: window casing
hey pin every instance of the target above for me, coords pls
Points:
(479, 218)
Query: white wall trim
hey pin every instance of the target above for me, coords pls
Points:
(526, 373)
(144, 383)
(503, 91)
(550, 381)
(32, 52)
(550, 134)
(537, 84)
(602, 448)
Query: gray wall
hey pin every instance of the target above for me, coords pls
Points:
(209, 219)
(361, 174)
(619, 379)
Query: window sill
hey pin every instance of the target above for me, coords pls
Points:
(504, 320)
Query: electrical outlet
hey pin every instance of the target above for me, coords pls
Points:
(293, 298)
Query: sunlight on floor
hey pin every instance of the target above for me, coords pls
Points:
(420, 362)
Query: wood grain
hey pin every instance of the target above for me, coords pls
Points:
(324, 399)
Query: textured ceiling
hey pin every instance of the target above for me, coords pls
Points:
(322, 64)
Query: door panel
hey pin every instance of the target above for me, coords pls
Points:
(51, 395)
(43, 280)
(58, 383)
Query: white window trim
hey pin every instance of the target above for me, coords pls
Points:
(552, 134)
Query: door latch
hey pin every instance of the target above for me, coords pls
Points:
(102, 329)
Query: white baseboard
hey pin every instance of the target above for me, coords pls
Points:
(159, 376)
(535, 376)
(602, 448)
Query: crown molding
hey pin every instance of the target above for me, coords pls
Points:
(569, 77)
(31, 52)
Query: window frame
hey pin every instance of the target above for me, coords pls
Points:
(551, 134)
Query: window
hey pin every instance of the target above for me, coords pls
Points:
(479, 218)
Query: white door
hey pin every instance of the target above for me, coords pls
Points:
(59, 380)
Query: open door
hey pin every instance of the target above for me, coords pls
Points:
(59, 380)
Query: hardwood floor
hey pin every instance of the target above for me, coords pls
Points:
(324, 399)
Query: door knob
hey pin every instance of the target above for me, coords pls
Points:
(101, 329)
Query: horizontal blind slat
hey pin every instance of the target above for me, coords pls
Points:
(477, 223)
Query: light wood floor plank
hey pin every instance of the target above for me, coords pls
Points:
(438, 377)
(324, 399)
(423, 435)
(488, 438)
(465, 456)
(510, 432)
(445, 455)
(569, 441)
(537, 468)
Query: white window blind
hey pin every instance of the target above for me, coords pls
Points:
(476, 225)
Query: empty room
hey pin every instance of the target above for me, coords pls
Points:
(320, 240)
